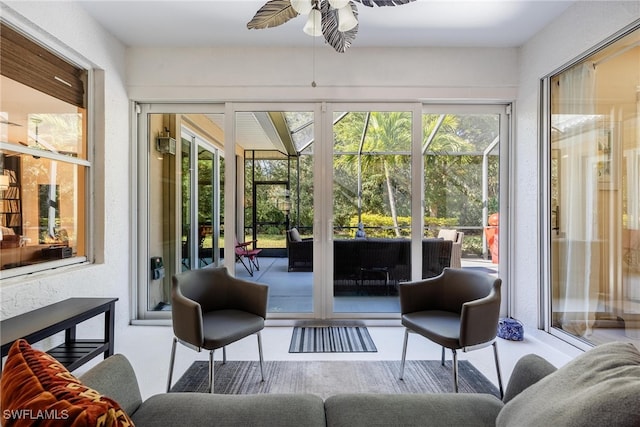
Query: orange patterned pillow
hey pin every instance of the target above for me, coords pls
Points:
(37, 389)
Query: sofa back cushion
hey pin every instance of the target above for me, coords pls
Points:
(448, 234)
(115, 377)
(600, 387)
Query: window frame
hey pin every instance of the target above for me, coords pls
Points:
(93, 84)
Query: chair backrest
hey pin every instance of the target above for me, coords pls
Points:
(206, 286)
(460, 286)
(448, 234)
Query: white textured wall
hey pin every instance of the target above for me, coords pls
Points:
(281, 74)
(580, 28)
(65, 24)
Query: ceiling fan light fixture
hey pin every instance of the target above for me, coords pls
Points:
(338, 4)
(313, 26)
(346, 20)
(335, 20)
(301, 6)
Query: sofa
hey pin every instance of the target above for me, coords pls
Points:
(383, 259)
(387, 261)
(600, 387)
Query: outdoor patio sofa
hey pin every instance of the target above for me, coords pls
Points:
(360, 259)
(600, 387)
(388, 260)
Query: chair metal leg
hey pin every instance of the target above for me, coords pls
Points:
(260, 355)
(495, 355)
(224, 355)
(455, 369)
(171, 361)
(247, 266)
(442, 358)
(404, 352)
(256, 262)
(211, 371)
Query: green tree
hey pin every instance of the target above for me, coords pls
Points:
(376, 148)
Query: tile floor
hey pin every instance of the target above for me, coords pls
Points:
(148, 349)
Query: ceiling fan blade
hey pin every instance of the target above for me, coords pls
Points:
(272, 14)
(339, 40)
(371, 3)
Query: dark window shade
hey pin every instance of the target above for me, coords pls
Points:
(28, 63)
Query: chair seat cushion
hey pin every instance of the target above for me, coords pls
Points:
(441, 327)
(222, 327)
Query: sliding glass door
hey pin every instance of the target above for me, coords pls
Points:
(333, 208)
(371, 195)
(200, 202)
(462, 148)
(593, 209)
(275, 238)
(178, 199)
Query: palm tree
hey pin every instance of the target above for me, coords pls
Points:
(381, 144)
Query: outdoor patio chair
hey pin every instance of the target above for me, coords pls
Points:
(458, 309)
(456, 249)
(243, 252)
(211, 309)
(299, 251)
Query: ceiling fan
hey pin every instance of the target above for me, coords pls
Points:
(335, 20)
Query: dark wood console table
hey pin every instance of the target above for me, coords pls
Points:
(44, 322)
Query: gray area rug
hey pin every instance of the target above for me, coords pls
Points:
(331, 339)
(326, 378)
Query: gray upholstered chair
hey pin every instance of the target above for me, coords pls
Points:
(458, 309)
(211, 309)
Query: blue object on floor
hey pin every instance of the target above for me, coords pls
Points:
(510, 329)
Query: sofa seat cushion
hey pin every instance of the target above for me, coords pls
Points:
(445, 409)
(203, 409)
(600, 387)
(39, 390)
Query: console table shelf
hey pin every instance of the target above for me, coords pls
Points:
(44, 322)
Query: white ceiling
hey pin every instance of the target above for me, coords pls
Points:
(443, 23)
(440, 23)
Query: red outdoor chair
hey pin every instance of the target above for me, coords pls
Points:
(243, 252)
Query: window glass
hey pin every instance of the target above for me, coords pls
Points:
(43, 176)
(595, 195)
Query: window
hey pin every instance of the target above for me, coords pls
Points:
(44, 167)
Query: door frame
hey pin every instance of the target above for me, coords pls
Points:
(322, 170)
